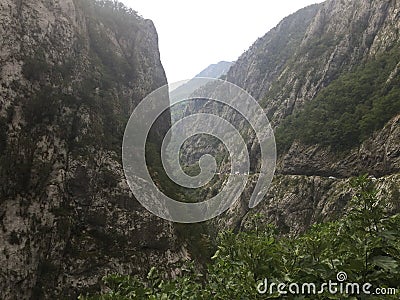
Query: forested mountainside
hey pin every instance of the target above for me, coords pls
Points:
(311, 48)
(328, 78)
(334, 101)
(71, 73)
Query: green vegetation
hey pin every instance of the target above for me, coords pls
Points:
(101, 83)
(35, 66)
(159, 176)
(347, 111)
(365, 244)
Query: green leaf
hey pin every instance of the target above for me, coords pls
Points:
(385, 262)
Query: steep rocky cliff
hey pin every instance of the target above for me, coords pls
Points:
(71, 72)
(328, 79)
(309, 190)
(326, 43)
(309, 49)
(321, 45)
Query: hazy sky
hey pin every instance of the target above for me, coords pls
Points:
(194, 34)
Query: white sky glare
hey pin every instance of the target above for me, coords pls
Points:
(195, 34)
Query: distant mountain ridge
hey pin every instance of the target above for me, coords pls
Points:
(216, 70)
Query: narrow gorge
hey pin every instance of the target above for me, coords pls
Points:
(72, 71)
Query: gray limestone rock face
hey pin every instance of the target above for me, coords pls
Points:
(287, 69)
(71, 73)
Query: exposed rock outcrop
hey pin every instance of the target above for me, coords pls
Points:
(309, 49)
(315, 185)
(378, 156)
(71, 72)
(286, 70)
(316, 45)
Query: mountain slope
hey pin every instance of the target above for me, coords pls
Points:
(71, 72)
(212, 71)
(327, 77)
(216, 70)
(311, 48)
(336, 96)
